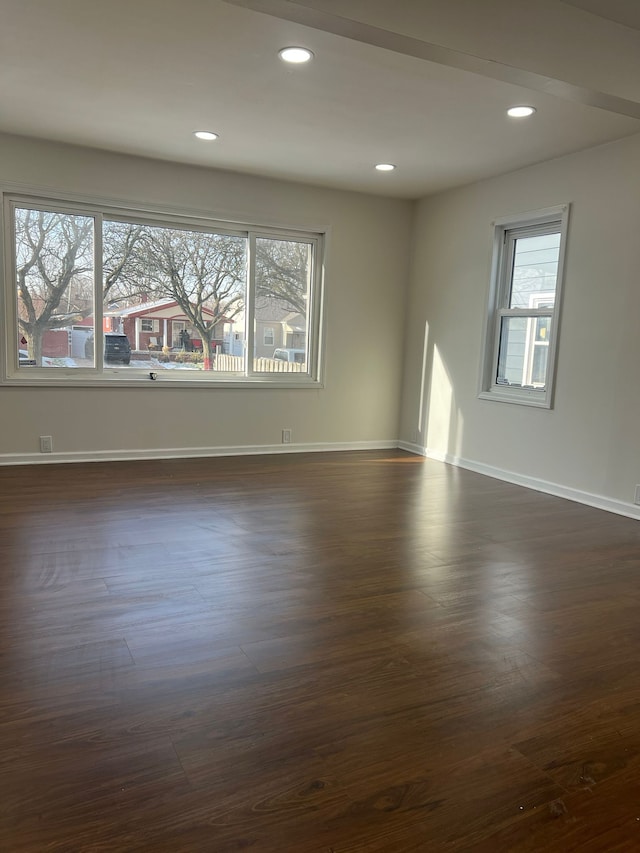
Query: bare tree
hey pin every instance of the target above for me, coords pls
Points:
(205, 273)
(282, 272)
(54, 257)
(123, 269)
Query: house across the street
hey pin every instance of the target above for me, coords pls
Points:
(152, 325)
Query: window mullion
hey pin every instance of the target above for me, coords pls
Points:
(525, 312)
(8, 302)
(250, 301)
(506, 272)
(313, 312)
(98, 285)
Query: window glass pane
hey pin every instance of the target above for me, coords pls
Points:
(174, 299)
(539, 365)
(513, 334)
(543, 325)
(535, 270)
(523, 351)
(55, 288)
(283, 276)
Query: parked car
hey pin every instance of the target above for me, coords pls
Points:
(116, 348)
(24, 360)
(297, 356)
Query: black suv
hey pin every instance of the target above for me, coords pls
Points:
(116, 348)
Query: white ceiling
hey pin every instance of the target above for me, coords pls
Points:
(138, 76)
(625, 12)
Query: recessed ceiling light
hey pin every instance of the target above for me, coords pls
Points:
(385, 167)
(296, 55)
(205, 134)
(521, 111)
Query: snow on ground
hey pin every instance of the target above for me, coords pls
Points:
(151, 364)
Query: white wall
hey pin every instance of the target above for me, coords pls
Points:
(365, 296)
(589, 444)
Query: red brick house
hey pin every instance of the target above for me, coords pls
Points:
(156, 324)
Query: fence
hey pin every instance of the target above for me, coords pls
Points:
(235, 364)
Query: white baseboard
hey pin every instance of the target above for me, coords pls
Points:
(410, 447)
(187, 452)
(598, 501)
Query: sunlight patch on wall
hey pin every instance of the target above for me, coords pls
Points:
(445, 423)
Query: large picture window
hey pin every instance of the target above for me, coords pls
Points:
(98, 293)
(524, 308)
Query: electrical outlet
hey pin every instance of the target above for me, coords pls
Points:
(636, 500)
(286, 436)
(46, 444)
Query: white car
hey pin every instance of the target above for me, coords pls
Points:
(295, 356)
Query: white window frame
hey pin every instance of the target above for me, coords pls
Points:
(10, 372)
(155, 325)
(506, 231)
(268, 336)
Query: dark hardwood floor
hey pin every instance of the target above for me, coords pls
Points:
(327, 652)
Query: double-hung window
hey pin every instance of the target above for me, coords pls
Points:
(524, 308)
(98, 293)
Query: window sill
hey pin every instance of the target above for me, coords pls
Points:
(161, 381)
(536, 399)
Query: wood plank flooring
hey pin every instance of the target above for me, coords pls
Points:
(315, 653)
